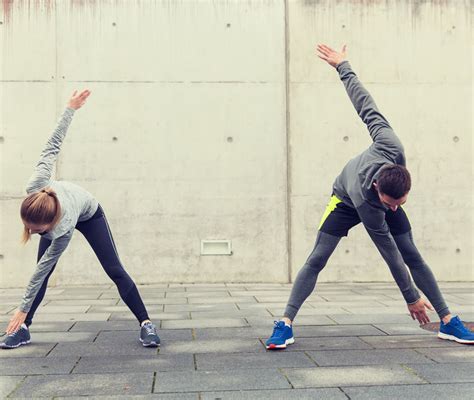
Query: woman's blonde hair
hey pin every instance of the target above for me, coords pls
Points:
(41, 208)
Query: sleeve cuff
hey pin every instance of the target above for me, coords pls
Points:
(412, 297)
(342, 65)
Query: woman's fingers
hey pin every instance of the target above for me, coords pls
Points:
(12, 327)
(85, 93)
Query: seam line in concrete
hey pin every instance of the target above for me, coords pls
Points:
(153, 383)
(280, 370)
(49, 352)
(17, 387)
(75, 365)
(287, 137)
(413, 372)
(311, 359)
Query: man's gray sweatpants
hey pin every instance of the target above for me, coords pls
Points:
(325, 245)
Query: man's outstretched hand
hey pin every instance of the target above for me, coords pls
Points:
(332, 57)
(418, 310)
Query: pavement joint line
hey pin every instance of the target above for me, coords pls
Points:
(96, 336)
(345, 394)
(413, 372)
(75, 365)
(90, 307)
(280, 370)
(379, 329)
(195, 362)
(153, 383)
(332, 319)
(16, 387)
(429, 358)
(311, 359)
(49, 352)
(371, 345)
(193, 333)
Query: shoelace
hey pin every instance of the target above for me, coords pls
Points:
(150, 329)
(277, 329)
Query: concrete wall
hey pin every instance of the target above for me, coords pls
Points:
(214, 119)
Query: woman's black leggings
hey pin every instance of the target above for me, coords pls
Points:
(97, 232)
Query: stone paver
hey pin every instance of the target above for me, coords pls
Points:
(38, 366)
(329, 343)
(213, 346)
(161, 396)
(402, 329)
(412, 392)
(204, 323)
(456, 354)
(84, 385)
(363, 357)
(8, 384)
(130, 337)
(117, 364)
(100, 349)
(407, 341)
(352, 341)
(222, 361)
(287, 394)
(220, 380)
(32, 350)
(350, 376)
(439, 373)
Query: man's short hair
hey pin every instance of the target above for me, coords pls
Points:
(394, 180)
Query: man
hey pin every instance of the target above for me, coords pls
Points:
(371, 189)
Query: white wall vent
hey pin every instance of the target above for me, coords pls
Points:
(216, 247)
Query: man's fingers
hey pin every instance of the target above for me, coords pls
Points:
(323, 57)
(327, 48)
(323, 51)
(75, 92)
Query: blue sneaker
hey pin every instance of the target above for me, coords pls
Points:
(455, 330)
(16, 339)
(282, 335)
(148, 335)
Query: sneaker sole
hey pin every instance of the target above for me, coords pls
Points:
(152, 344)
(281, 346)
(4, 346)
(445, 336)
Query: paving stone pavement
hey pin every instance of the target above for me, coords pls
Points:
(353, 341)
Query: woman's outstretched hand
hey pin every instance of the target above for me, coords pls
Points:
(332, 57)
(77, 100)
(16, 321)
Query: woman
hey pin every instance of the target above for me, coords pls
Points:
(54, 209)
